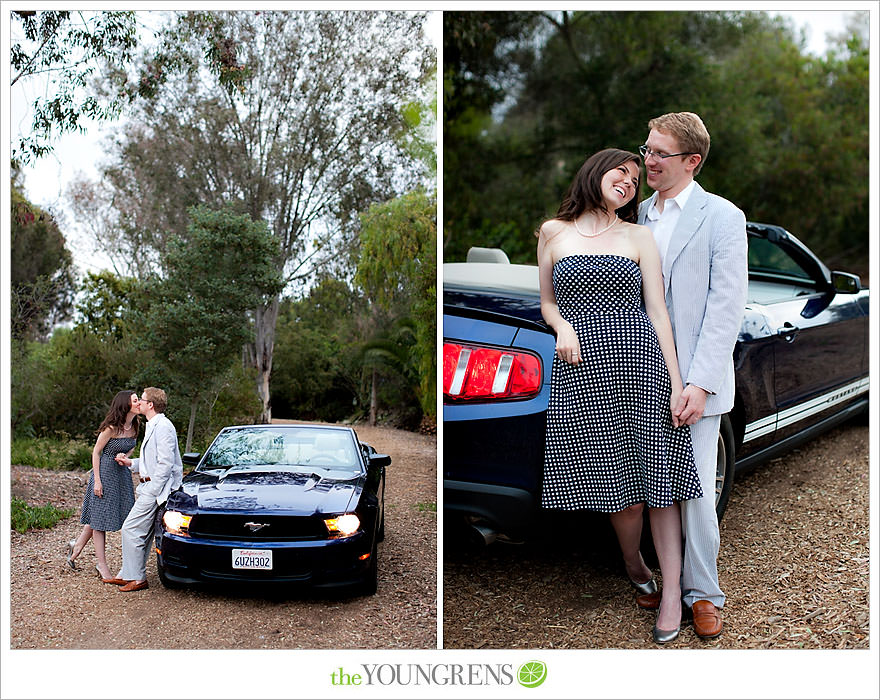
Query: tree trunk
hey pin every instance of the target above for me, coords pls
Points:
(192, 423)
(374, 400)
(264, 346)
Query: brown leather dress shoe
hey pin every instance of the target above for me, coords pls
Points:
(115, 581)
(649, 601)
(707, 619)
(134, 586)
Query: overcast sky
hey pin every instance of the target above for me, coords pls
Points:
(47, 180)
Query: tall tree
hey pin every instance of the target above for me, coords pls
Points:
(197, 318)
(42, 278)
(67, 49)
(485, 55)
(398, 268)
(308, 141)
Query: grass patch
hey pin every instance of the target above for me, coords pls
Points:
(26, 517)
(61, 454)
(427, 507)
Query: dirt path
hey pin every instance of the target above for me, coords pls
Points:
(794, 565)
(53, 607)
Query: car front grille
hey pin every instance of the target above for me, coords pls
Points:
(247, 527)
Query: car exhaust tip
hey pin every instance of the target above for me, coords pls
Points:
(483, 534)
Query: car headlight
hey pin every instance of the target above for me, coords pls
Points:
(343, 526)
(176, 522)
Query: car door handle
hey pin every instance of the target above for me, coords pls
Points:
(788, 332)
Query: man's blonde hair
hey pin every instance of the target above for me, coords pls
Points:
(157, 396)
(688, 129)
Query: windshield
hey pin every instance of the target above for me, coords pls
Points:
(291, 447)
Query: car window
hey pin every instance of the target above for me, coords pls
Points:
(287, 447)
(774, 275)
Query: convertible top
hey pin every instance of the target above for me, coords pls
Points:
(501, 277)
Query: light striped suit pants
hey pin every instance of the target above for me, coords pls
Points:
(699, 522)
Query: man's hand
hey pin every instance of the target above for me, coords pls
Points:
(123, 460)
(691, 405)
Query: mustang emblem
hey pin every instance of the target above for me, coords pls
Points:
(253, 527)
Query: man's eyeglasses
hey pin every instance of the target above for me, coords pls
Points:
(646, 152)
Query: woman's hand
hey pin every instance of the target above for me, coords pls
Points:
(99, 489)
(568, 347)
(675, 406)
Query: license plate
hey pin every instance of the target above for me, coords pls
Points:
(252, 559)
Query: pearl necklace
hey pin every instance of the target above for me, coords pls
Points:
(595, 233)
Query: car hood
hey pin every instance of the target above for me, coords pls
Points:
(267, 489)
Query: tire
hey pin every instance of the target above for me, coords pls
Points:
(380, 533)
(370, 584)
(166, 582)
(157, 528)
(724, 466)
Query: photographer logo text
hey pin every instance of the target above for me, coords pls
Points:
(529, 675)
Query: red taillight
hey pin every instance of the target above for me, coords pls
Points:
(471, 372)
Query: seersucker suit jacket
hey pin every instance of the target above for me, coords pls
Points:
(159, 459)
(706, 277)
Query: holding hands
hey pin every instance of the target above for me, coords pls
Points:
(122, 459)
(690, 405)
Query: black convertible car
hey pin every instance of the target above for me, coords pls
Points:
(801, 367)
(288, 504)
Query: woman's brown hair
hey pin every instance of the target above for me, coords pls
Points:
(585, 191)
(119, 408)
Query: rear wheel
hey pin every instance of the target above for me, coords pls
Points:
(724, 466)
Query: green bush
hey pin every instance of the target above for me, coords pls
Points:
(61, 453)
(26, 517)
(67, 383)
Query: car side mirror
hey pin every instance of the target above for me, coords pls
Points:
(377, 460)
(845, 283)
(191, 458)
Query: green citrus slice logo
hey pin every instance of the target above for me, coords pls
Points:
(532, 673)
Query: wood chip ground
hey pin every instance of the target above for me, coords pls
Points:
(794, 564)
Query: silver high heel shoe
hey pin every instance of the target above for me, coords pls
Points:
(69, 560)
(646, 588)
(664, 636)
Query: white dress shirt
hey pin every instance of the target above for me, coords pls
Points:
(662, 224)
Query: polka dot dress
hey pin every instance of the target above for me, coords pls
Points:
(610, 440)
(109, 512)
